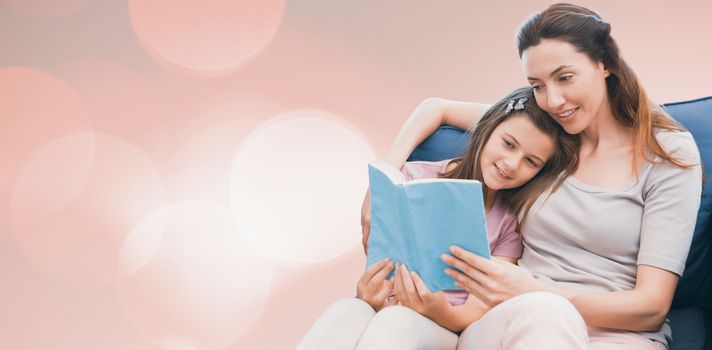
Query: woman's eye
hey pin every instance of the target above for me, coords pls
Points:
(536, 87)
(508, 144)
(533, 162)
(566, 78)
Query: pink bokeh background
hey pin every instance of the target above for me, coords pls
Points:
(190, 176)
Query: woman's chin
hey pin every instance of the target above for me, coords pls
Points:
(573, 129)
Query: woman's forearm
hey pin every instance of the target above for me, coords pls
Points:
(640, 310)
(426, 118)
(626, 310)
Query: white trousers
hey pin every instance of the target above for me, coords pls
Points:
(353, 324)
(529, 321)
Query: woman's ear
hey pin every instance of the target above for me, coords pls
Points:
(606, 72)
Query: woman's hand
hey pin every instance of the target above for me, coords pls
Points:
(492, 281)
(412, 293)
(373, 287)
(366, 220)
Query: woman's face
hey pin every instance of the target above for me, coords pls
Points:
(514, 153)
(567, 84)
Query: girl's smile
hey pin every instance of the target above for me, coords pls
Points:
(514, 153)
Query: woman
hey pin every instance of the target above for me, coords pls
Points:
(604, 252)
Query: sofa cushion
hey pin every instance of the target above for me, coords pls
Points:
(688, 329)
(445, 143)
(695, 287)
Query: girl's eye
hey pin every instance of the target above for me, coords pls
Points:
(566, 78)
(508, 144)
(536, 87)
(532, 162)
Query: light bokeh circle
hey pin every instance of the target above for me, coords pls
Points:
(45, 7)
(297, 184)
(75, 202)
(187, 271)
(121, 102)
(204, 138)
(205, 37)
(36, 108)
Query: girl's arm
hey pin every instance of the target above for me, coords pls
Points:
(457, 318)
(426, 118)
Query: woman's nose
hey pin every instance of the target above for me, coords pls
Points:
(555, 98)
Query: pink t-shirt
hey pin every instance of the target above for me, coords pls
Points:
(504, 240)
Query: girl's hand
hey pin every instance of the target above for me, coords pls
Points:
(373, 287)
(412, 293)
(492, 281)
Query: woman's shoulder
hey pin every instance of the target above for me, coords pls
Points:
(679, 144)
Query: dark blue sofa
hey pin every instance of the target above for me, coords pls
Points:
(691, 313)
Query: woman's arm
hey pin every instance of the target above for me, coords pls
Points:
(455, 318)
(641, 309)
(463, 315)
(412, 293)
(426, 118)
(672, 199)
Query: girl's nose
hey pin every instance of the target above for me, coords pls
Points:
(512, 164)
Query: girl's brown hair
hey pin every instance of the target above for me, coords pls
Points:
(591, 35)
(564, 160)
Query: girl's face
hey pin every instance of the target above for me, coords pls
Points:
(567, 84)
(514, 153)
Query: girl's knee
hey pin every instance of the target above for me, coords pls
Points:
(398, 327)
(395, 317)
(396, 313)
(351, 304)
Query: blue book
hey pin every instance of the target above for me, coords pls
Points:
(415, 222)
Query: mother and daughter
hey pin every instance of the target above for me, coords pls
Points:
(589, 186)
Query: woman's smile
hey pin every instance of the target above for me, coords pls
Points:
(568, 114)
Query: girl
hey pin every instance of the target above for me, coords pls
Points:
(517, 152)
(603, 254)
